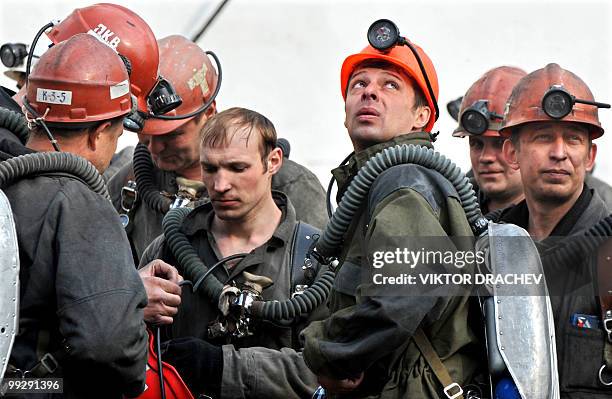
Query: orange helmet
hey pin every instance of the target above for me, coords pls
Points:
(552, 94)
(124, 31)
(402, 57)
(485, 100)
(79, 80)
(184, 64)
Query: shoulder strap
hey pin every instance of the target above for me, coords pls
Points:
(604, 281)
(301, 243)
(452, 390)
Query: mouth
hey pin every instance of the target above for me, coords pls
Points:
(556, 172)
(225, 201)
(489, 172)
(367, 113)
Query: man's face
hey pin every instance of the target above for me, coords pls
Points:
(235, 177)
(553, 158)
(380, 105)
(492, 173)
(178, 150)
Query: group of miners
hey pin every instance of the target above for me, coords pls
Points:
(203, 266)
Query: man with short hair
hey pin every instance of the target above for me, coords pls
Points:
(238, 158)
(172, 153)
(497, 184)
(81, 300)
(551, 142)
(368, 346)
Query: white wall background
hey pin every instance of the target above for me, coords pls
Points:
(282, 58)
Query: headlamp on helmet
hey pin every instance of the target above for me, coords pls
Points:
(476, 118)
(383, 35)
(163, 98)
(557, 102)
(13, 54)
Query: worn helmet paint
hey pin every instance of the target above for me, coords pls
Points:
(188, 68)
(125, 32)
(525, 102)
(79, 80)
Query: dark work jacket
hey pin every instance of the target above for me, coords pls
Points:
(579, 350)
(78, 288)
(268, 364)
(9, 141)
(293, 179)
(372, 333)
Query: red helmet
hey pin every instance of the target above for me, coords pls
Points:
(124, 31)
(546, 95)
(79, 80)
(494, 88)
(403, 58)
(174, 385)
(187, 67)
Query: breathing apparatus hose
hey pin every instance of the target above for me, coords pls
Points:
(33, 164)
(193, 267)
(15, 122)
(574, 249)
(331, 239)
(195, 270)
(143, 171)
(329, 243)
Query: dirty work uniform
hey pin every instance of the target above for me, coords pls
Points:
(81, 299)
(119, 159)
(267, 364)
(373, 334)
(602, 188)
(579, 350)
(305, 192)
(145, 223)
(10, 143)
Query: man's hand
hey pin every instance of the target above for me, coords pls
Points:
(163, 292)
(346, 385)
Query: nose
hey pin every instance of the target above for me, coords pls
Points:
(221, 182)
(369, 93)
(488, 153)
(156, 145)
(558, 150)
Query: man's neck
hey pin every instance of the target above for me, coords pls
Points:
(502, 203)
(255, 229)
(544, 216)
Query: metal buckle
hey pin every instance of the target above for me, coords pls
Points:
(299, 290)
(607, 323)
(52, 366)
(449, 387)
(128, 196)
(609, 383)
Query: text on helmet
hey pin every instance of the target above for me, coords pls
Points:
(106, 36)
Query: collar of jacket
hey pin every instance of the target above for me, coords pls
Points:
(200, 220)
(519, 214)
(345, 173)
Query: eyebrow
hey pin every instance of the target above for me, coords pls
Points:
(391, 72)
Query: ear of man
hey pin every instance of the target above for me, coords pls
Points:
(509, 151)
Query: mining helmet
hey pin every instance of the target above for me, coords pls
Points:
(79, 80)
(129, 35)
(482, 107)
(552, 94)
(387, 45)
(191, 73)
